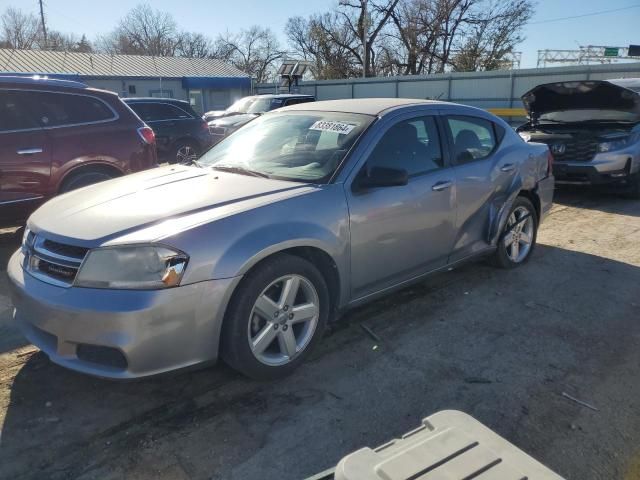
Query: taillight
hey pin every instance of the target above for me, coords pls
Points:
(147, 135)
(549, 162)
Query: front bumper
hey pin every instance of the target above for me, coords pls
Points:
(120, 333)
(603, 169)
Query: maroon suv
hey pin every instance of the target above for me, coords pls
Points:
(58, 135)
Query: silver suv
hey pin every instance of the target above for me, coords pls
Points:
(592, 129)
(303, 213)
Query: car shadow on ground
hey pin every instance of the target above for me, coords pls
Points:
(496, 344)
(10, 338)
(590, 198)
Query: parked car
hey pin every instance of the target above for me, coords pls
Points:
(56, 136)
(250, 108)
(305, 212)
(181, 134)
(592, 129)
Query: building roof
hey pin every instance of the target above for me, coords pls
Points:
(367, 106)
(107, 65)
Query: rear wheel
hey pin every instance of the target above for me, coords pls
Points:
(518, 237)
(83, 179)
(276, 318)
(185, 152)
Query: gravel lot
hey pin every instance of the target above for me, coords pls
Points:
(499, 345)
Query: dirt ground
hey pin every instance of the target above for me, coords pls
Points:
(500, 345)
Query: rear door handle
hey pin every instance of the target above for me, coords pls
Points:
(443, 185)
(29, 151)
(508, 167)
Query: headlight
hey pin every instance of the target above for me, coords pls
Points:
(525, 136)
(618, 142)
(142, 267)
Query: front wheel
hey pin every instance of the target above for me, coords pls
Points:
(518, 238)
(276, 318)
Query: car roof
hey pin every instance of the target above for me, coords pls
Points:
(153, 99)
(366, 106)
(283, 95)
(37, 80)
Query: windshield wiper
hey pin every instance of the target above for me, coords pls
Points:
(240, 170)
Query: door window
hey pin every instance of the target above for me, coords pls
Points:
(155, 112)
(59, 109)
(14, 114)
(473, 138)
(412, 145)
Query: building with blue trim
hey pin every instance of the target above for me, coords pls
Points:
(208, 84)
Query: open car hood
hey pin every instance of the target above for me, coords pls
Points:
(582, 95)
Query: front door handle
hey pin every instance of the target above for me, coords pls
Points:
(443, 185)
(29, 151)
(508, 167)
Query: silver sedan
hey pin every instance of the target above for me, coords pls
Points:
(248, 253)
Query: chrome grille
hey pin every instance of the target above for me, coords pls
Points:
(53, 262)
(577, 149)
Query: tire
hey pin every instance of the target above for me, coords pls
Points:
(184, 152)
(250, 317)
(84, 179)
(524, 215)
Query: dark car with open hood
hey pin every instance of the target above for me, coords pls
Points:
(592, 129)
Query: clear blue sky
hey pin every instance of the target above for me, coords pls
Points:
(215, 16)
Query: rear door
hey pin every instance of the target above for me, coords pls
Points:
(483, 177)
(25, 158)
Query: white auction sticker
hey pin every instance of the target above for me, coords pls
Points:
(336, 127)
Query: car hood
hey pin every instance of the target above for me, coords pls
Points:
(175, 197)
(233, 120)
(585, 95)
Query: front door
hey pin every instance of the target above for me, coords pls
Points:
(398, 233)
(25, 158)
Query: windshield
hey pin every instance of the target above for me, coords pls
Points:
(262, 105)
(298, 146)
(593, 115)
(240, 106)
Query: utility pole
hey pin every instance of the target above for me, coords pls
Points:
(44, 26)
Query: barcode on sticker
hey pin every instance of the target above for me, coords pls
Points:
(336, 127)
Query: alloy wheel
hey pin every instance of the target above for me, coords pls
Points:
(519, 237)
(186, 154)
(283, 320)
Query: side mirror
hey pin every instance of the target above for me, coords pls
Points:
(383, 177)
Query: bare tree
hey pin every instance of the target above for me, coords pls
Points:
(194, 45)
(327, 43)
(254, 51)
(493, 34)
(143, 31)
(19, 30)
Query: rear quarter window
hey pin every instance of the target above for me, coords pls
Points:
(53, 109)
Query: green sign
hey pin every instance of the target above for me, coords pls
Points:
(611, 51)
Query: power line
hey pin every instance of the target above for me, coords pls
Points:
(592, 14)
